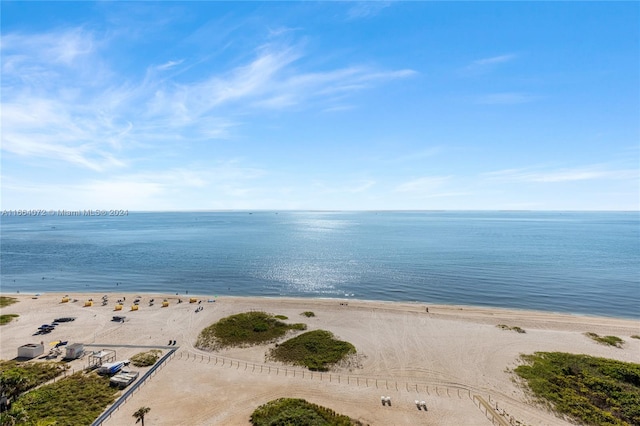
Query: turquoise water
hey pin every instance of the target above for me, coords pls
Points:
(580, 262)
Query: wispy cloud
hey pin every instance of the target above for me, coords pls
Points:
(593, 172)
(423, 185)
(419, 155)
(367, 9)
(62, 99)
(488, 64)
(493, 60)
(169, 64)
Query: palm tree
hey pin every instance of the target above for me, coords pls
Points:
(142, 411)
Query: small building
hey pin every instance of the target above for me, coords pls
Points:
(96, 359)
(30, 350)
(74, 351)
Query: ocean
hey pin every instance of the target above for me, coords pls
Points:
(576, 262)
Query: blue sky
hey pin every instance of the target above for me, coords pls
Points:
(328, 105)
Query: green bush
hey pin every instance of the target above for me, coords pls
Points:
(282, 317)
(606, 340)
(145, 359)
(314, 349)
(635, 336)
(7, 318)
(308, 314)
(514, 328)
(6, 301)
(594, 391)
(75, 400)
(297, 412)
(249, 328)
(18, 377)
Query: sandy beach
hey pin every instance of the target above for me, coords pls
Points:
(452, 357)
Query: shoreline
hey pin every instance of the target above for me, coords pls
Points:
(444, 306)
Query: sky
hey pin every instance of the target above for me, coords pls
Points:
(160, 106)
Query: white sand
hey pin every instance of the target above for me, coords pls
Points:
(443, 357)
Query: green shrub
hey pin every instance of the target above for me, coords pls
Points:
(75, 400)
(282, 317)
(249, 328)
(594, 391)
(294, 412)
(514, 328)
(308, 314)
(145, 359)
(635, 336)
(6, 301)
(606, 340)
(7, 318)
(18, 377)
(314, 349)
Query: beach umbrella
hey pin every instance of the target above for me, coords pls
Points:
(54, 343)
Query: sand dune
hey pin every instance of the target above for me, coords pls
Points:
(451, 357)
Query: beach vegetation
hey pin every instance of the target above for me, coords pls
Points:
(513, 328)
(74, 400)
(6, 301)
(145, 359)
(295, 411)
(140, 413)
(591, 390)
(316, 350)
(635, 336)
(18, 377)
(7, 318)
(606, 340)
(245, 329)
(282, 317)
(308, 314)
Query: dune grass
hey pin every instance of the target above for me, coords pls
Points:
(7, 318)
(635, 336)
(315, 350)
(606, 340)
(594, 391)
(145, 359)
(308, 314)
(18, 377)
(245, 329)
(293, 411)
(75, 400)
(6, 301)
(513, 328)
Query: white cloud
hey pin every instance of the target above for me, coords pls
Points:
(62, 102)
(493, 60)
(596, 172)
(423, 185)
(488, 64)
(60, 47)
(169, 64)
(367, 9)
